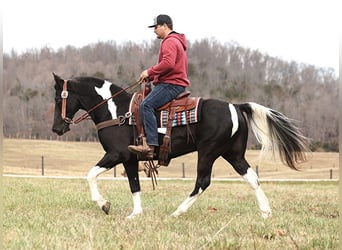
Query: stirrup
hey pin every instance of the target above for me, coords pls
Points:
(143, 151)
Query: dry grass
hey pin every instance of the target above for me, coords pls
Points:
(76, 158)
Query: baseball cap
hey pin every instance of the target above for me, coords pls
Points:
(160, 20)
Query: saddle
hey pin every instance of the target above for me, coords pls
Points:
(182, 103)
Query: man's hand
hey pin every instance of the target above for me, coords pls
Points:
(143, 76)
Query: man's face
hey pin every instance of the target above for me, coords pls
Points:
(160, 31)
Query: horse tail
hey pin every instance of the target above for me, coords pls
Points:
(275, 132)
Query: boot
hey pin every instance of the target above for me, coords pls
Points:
(144, 151)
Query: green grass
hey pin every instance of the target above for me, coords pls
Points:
(58, 214)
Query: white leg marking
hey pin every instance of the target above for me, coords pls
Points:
(137, 209)
(183, 208)
(92, 176)
(252, 179)
(234, 119)
(263, 203)
(105, 92)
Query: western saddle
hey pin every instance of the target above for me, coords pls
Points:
(181, 103)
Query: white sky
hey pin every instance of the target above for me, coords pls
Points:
(306, 31)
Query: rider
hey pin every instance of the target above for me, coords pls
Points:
(169, 78)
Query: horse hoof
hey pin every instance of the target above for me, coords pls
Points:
(176, 213)
(106, 207)
(266, 214)
(133, 215)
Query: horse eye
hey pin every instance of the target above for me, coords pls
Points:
(58, 100)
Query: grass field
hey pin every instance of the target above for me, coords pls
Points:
(76, 158)
(58, 214)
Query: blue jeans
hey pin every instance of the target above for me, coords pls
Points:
(160, 94)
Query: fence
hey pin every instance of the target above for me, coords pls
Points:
(329, 172)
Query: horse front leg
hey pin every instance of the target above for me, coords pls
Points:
(131, 168)
(95, 194)
(137, 209)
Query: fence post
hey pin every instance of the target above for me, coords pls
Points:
(331, 173)
(42, 165)
(114, 171)
(183, 169)
(257, 170)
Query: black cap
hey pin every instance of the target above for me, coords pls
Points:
(160, 20)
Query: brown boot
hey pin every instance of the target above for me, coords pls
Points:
(143, 150)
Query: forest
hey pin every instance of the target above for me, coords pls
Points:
(227, 71)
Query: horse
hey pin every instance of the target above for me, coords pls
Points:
(221, 131)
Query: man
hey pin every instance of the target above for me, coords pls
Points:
(169, 78)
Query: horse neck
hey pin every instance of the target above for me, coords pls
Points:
(94, 91)
(102, 110)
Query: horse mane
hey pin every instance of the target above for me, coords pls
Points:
(92, 79)
(98, 82)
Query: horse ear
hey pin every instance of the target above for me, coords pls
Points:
(58, 79)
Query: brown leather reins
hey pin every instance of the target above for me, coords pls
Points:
(84, 116)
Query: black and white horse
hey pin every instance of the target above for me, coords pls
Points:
(222, 131)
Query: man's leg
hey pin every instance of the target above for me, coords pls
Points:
(160, 94)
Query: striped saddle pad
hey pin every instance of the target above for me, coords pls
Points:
(181, 118)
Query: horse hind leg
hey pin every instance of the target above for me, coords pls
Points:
(94, 191)
(252, 179)
(248, 174)
(186, 204)
(205, 164)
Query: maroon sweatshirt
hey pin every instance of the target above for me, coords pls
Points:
(172, 64)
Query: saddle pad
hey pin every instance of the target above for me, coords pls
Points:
(192, 115)
(180, 119)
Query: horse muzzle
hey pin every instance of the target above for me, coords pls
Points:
(62, 129)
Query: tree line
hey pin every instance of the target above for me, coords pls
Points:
(225, 71)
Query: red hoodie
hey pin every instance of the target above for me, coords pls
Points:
(172, 64)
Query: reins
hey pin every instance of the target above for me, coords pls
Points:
(84, 116)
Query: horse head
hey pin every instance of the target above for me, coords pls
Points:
(66, 105)
(94, 95)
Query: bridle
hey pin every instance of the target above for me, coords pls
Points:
(65, 94)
